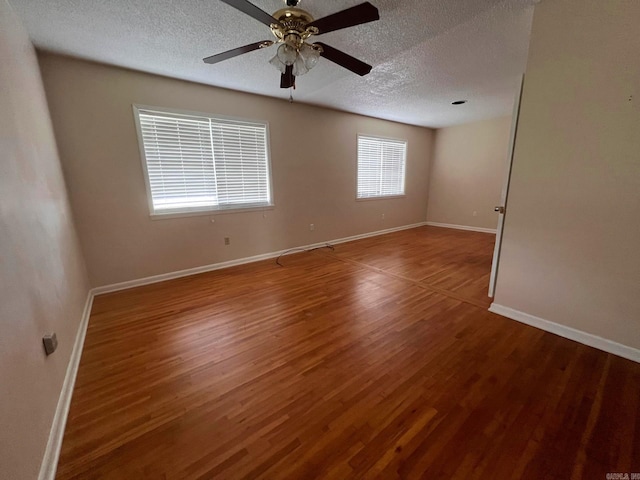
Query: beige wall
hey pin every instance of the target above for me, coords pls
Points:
(313, 155)
(571, 251)
(43, 285)
(467, 173)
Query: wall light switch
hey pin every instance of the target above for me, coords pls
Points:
(50, 342)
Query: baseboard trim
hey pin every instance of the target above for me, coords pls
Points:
(241, 261)
(54, 444)
(462, 227)
(579, 336)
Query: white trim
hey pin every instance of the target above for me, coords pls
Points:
(382, 197)
(240, 261)
(579, 336)
(211, 213)
(54, 444)
(462, 227)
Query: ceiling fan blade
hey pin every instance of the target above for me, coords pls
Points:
(288, 80)
(344, 60)
(363, 13)
(237, 51)
(250, 9)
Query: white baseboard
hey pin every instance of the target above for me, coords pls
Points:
(54, 444)
(579, 336)
(462, 227)
(240, 261)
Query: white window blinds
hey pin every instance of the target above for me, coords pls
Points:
(204, 163)
(381, 167)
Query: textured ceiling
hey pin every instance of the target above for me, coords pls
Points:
(425, 53)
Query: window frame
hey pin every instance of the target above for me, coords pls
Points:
(404, 179)
(209, 209)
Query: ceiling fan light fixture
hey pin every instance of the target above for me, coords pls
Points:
(276, 62)
(300, 67)
(310, 55)
(287, 54)
(292, 27)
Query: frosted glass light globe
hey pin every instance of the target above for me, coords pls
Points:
(287, 54)
(276, 62)
(310, 55)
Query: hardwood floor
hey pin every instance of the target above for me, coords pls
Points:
(376, 360)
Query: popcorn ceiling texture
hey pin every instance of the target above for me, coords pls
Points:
(425, 53)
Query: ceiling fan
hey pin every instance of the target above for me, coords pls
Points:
(292, 27)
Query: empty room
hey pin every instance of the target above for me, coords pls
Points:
(319, 239)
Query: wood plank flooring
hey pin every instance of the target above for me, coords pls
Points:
(376, 360)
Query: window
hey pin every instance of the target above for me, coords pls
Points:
(381, 167)
(202, 163)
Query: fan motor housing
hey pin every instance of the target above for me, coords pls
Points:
(294, 30)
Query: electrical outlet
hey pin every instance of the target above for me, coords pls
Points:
(227, 241)
(475, 214)
(312, 227)
(383, 216)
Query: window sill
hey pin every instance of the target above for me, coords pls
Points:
(385, 197)
(209, 212)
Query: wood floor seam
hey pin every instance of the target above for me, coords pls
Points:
(417, 283)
